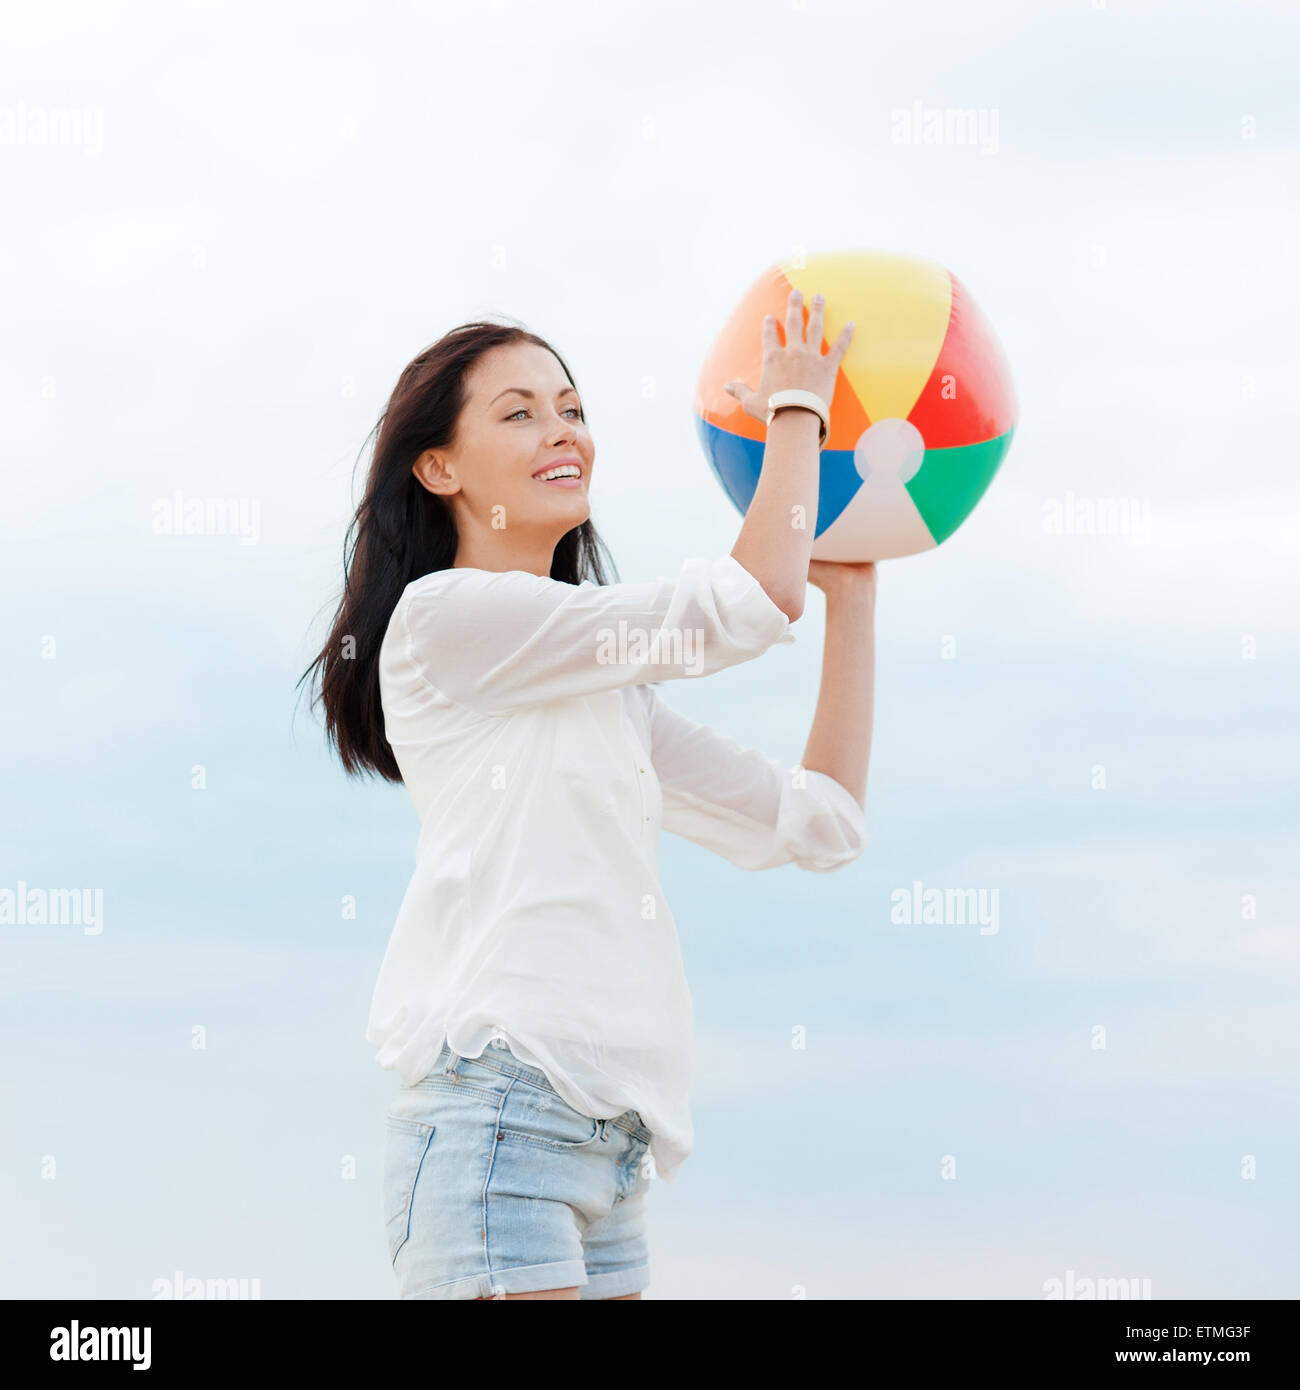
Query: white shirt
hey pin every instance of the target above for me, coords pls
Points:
(543, 768)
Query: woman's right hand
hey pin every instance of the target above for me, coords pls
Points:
(799, 365)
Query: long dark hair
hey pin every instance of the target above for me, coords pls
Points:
(402, 531)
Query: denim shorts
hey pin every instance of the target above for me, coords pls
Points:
(492, 1184)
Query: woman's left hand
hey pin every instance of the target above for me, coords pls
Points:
(833, 576)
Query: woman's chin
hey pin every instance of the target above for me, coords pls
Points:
(575, 510)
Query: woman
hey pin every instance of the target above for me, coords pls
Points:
(532, 996)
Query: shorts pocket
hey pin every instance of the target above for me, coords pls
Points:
(541, 1118)
(405, 1146)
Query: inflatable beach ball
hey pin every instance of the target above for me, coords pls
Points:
(923, 412)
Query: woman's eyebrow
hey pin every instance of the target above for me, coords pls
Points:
(523, 391)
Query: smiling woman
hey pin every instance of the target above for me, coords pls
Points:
(503, 452)
(532, 997)
(451, 473)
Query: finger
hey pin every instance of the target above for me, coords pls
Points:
(816, 321)
(841, 344)
(794, 319)
(771, 338)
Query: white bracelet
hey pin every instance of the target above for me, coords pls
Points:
(805, 400)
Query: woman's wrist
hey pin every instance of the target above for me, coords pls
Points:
(847, 583)
(802, 407)
(796, 419)
(857, 594)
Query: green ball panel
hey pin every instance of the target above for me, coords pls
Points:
(951, 481)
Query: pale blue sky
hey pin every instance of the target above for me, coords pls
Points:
(263, 213)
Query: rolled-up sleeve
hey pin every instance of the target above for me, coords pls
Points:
(747, 807)
(500, 642)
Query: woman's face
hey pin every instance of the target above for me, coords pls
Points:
(521, 420)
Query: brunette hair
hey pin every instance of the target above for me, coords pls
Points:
(402, 531)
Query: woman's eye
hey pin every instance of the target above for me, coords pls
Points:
(523, 410)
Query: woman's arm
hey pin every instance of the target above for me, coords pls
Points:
(500, 641)
(839, 743)
(771, 546)
(749, 808)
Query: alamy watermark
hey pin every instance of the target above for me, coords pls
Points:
(919, 124)
(1098, 516)
(53, 907)
(42, 127)
(182, 1286)
(1082, 1288)
(664, 646)
(945, 907)
(73, 1342)
(179, 515)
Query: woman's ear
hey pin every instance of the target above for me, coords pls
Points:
(433, 472)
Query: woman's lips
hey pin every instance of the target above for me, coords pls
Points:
(569, 465)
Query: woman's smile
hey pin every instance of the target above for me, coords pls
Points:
(565, 473)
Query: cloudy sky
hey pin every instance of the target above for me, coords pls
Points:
(231, 225)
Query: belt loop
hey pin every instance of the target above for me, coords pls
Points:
(452, 1060)
(603, 1135)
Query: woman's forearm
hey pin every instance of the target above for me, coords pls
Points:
(776, 540)
(839, 743)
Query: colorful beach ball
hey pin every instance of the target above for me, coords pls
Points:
(923, 412)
